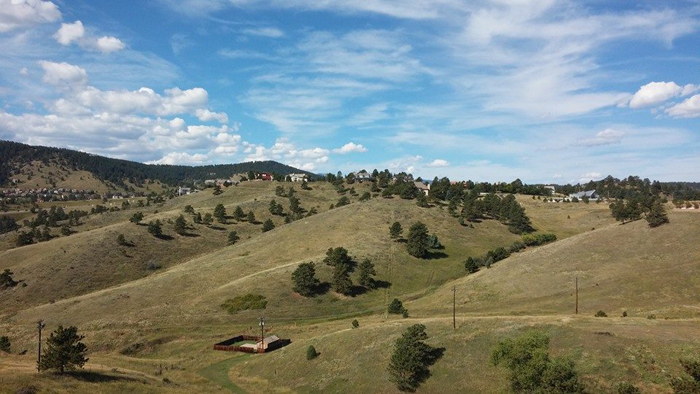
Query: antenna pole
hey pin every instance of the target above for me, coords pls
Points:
(577, 295)
(454, 307)
(40, 325)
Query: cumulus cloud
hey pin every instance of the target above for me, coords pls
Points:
(655, 93)
(689, 108)
(63, 74)
(69, 32)
(206, 115)
(438, 163)
(604, 137)
(286, 151)
(350, 147)
(107, 44)
(23, 13)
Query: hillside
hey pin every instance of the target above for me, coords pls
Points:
(72, 169)
(136, 320)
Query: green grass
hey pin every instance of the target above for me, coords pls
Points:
(244, 303)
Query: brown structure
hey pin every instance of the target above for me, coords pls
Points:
(242, 343)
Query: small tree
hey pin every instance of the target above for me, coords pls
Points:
(64, 351)
(411, 359)
(180, 225)
(355, 324)
(251, 217)
(417, 242)
(5, 344)
(657, 215)
(220, 213)
(6, 280)
(208, 219)
(422, 200)
(217, 190)
(136, 218)
(471, 266)
(238, 214)
(304, 278)
(189, 209)
(367, 271)
(155, 228)
(341, 280)
(197, 218)
(601, 314)
(268, 225)
(311, 352)
(65, 230)
(121, 240)
(395, 230)
(434, 242)
(232, 237)
(396, 307)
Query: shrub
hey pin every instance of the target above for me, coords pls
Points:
(155, 228)
(624, 314)
(233, 237)
(396, 307)
(627, 388)
(471, 265)
(311, 352)
(355, 324)
(5, 344)
(601, 314)
(121, 240)
(651, 317)
(395, 230)
(6, 280)
(268, 225)
(244, 303)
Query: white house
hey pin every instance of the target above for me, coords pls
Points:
(363, 176)
(425, 189)
(590, 194)
(298, 177)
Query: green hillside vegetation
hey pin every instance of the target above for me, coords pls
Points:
(152, 329)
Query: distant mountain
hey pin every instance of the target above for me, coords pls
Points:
(14, 156)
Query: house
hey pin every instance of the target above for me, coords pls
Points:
(549, 187)
(265, 176)
(363, 176)
(181, 191)
(590, 194)
(425, 189)
(298, 177)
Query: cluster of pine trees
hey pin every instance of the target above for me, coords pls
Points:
(647, 206)
(506, 209)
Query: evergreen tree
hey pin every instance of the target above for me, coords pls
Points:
(238, 214)
(341, 280)
(232, 237)
(197, 218)
(220, 213)
(294, 204)
(412, 357)
(417, 242)
(217, 190)
(64, 351)
(395, 230)
(267, 226)
(657, 215)
(396, 307)
(422, 200)
(208, 219)
(304, 278)
(6, 280)
(155, 228)
(121, 240)
(367, 271)
(311, 352)
(180, 225)
(471, 266)
(189, 209)
(136, 218)
(251, 217)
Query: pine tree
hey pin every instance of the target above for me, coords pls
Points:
(409, 363)
(64, 351)
(232, 237)
(136, 218)
(220, 213)
(395, 230)
(217, 190)
(207, 220)
(238, 214)
(155, 228)
(311, 352)
(367, 271)
(180, 225)
(417, 242)
(304, 278)
(268, 225)
(341, 280)
(657, 215)
(251, 217)
(471, 266)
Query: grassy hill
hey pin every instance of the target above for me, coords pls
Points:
(136, 321)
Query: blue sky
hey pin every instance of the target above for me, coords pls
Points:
(547, 91)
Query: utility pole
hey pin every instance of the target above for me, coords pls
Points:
(577, 295)
(262, 334)
(40, 325)
(454, 307)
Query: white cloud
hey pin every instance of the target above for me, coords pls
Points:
(271, 32)
(181, 158)
(689, 108)
(107, 44)
(604, 137)
(590, 176)
(350, 147)
(23, 13)
(438, 163)
(69, 32)
(23, 71)
(63, 74)
(206, 115)
(654, 93)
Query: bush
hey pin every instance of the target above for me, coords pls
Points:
(5, 344)
(471, 265)
(233, 237)
(651, 317)
(268, 225)
(538, 239)
(396, 307)
(627, 388)
(155, 228)
(601, 314)
(624, 314)
(121, 240)
(355, 324)
(311, 352)
(244, 303)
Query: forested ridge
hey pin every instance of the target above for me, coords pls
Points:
(13, 155)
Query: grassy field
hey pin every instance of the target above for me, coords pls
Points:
(153, 331)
